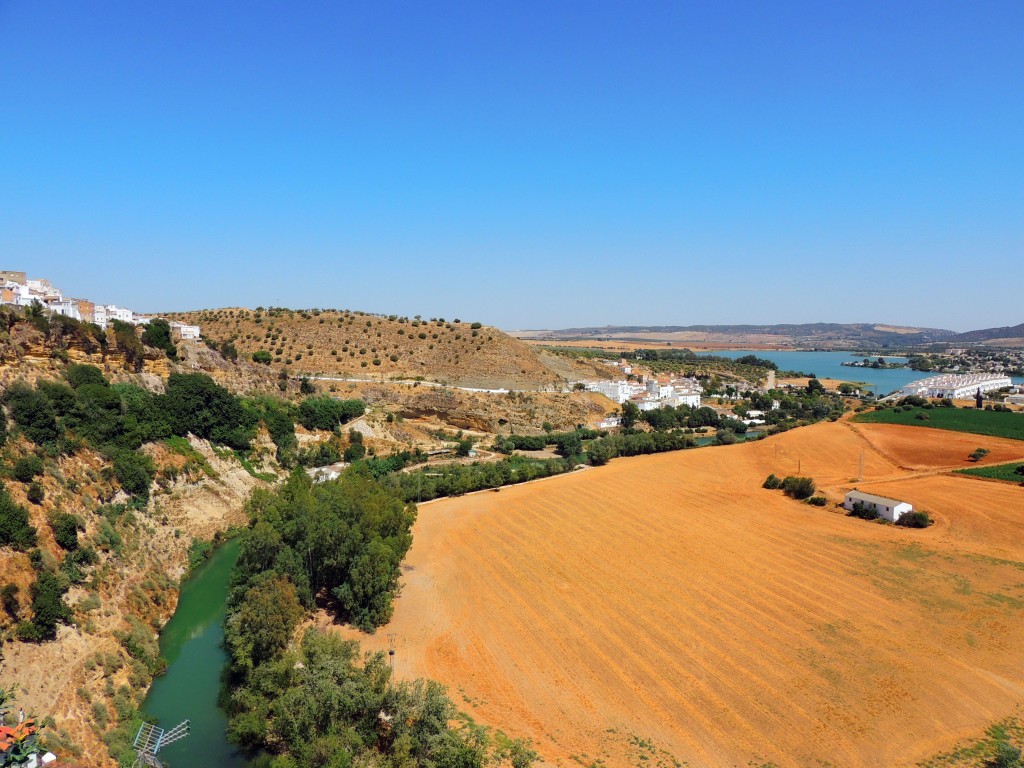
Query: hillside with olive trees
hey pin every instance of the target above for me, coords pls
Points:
(353, 344)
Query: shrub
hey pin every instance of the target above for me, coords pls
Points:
(65, 530)
(27, 469)
(15, 529)
(261, 356)
(134, 471)
(798, 487)
(77, 375)
(35, 494)
(915, 520)
(772, 482)
(33, 412)
(817, 501)
(158, 334)
(328, 413)
(863, 512)
(978, 454)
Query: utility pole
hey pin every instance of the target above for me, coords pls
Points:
(391, 651)
(860, 469)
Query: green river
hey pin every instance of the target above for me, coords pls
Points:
(191, 643)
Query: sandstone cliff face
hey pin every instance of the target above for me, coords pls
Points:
(26, 353)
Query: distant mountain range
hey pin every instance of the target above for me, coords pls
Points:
(797, 335)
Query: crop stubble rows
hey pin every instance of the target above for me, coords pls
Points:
(672, 599)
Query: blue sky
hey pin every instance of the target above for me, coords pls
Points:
(527, 164)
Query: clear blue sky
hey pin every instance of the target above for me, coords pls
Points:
(524, 164)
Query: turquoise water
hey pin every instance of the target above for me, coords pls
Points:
(827, 365)
(191, 643)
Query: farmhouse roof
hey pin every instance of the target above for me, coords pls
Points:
(884, 500)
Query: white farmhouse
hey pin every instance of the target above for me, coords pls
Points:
(886, 508)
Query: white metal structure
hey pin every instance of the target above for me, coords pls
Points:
(151, 739)
(886, 508)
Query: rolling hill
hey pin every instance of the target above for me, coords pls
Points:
(346, 343)
(796, 335)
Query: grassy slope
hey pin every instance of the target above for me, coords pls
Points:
(993, 423)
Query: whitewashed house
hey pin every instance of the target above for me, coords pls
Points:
(886, 508)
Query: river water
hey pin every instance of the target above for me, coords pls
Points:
(191, 643)
(828, 365)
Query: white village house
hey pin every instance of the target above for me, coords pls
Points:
(886, 508)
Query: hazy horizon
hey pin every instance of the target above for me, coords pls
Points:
(532, 166)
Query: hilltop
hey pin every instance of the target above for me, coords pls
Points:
(754, 336)
(1006, 336)
(345, 343)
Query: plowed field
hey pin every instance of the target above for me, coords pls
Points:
(667, 608)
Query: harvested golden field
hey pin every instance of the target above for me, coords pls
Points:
(667, 608)
(359, 344)
(925, 448)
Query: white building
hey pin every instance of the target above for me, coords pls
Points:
(66, 307)
(616, 391)
(688, 397)
(186, 331)
(886, 508)
(956, 386)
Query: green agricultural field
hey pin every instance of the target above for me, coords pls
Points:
(992, 423)
(998, 472)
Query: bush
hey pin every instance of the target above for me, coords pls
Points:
(35, 493)
(33, 412)
(65, 530)
(15, 529)
(863, 512)
(978, 454)
(817, 501)
(27, 469)
(798, 487)
(77, 375)
(134, 471)
(158, 334)
(915, 520)
(261, 356)
(772, 482)
(328, 413)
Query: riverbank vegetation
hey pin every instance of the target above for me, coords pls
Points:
(319, 701)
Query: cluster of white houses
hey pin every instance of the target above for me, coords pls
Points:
(956, 386)
(21, 291)
(651, 393)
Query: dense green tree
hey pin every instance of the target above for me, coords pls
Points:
(264, 623)
(196, 404)
(134, 471)
(79, 374)
(48, 607)
(157, 334)
(15, 529)
(33, 413)
(321, 412)
(65, 530)
(27, 468)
